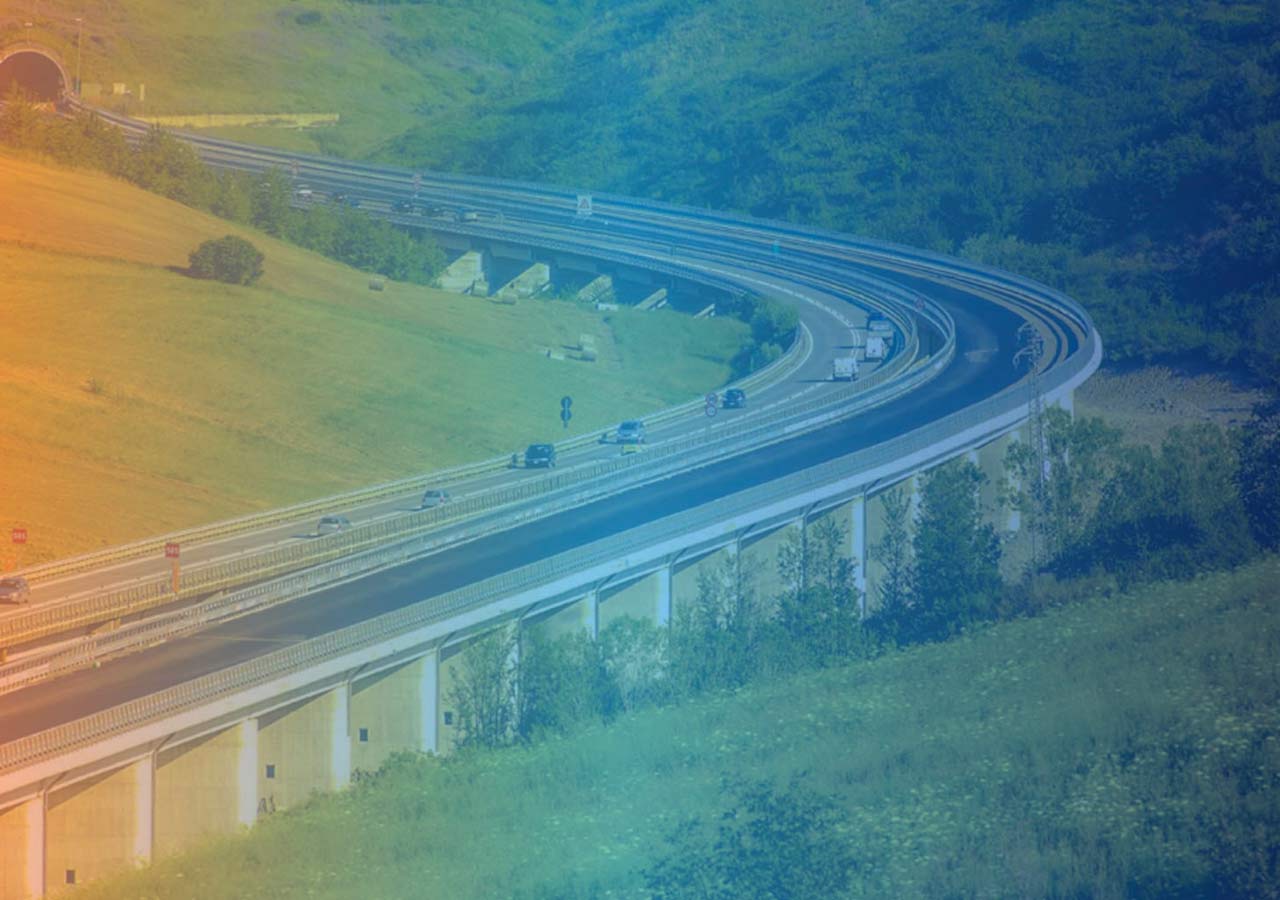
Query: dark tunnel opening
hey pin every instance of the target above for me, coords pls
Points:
(36, 75)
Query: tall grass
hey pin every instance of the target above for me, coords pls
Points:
(1122, 747)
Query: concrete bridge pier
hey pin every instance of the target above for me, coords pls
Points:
(303, 748)
(22, 858)
(94, 826)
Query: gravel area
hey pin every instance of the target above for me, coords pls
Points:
(1146, 402)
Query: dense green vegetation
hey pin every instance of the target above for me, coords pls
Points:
(1124, 151)
(1121, 747)
(163, 164)
(1127, 152)
(229, 259)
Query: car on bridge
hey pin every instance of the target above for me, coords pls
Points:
(434, 497)
(540, 456)
(734, 398)
(331, 524)
(404, 206)
(14, 589)
(630, 432)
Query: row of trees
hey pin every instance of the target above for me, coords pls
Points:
(163, 164)
(1206, 499)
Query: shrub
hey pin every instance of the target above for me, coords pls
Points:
(229, 259)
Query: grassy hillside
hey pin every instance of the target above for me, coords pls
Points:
(1126, 151)
(1123, 747)
(381, 67)
(134, 399)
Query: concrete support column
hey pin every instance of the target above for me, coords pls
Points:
(246, 779)
(591, 614)
(22, 850)
(429, 701)
(144, 828)
(340, 737)
(858, 549)
(663, 610)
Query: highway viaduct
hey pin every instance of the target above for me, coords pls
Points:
(205, 733)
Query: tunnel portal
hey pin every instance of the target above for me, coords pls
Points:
(36, 74)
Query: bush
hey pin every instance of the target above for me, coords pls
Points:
(229, 259)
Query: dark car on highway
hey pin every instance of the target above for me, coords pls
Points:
(14, 590)
(540, 456)
(631, 432)
(403, 206)
(734, 398)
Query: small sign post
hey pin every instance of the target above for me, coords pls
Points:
(584, 206)
(173, 553)
(19, 537)
(565, 412)
(417, 183)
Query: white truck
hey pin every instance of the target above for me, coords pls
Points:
(844, 368)
(874, 348)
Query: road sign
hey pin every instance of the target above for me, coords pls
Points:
(713, 399)
(710, 410)
(584, 205)
(566, 402)
(172, 550)
(293, 167)
(18, 535)
(417, 182)
(565, 416)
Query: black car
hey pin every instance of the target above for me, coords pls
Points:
(734, 398)
(540, 456)
(346, 200)
(403, 206)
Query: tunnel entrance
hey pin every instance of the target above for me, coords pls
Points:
(35, 74)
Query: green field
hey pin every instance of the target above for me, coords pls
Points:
(134, 399)
(1122, 747)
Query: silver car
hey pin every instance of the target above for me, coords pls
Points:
(330, 524)
(14, 590)
(434, 497)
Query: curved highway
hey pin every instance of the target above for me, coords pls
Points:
(987, 310)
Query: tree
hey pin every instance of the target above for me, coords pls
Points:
(716, 639)
(229, 259)
(768, 845)
(1168, 514)
(562, 683)
(1079, 455)
(1259, 473)
(636, 660)
(957, 555)
(893, 552)
(818, 608)
(484, 690)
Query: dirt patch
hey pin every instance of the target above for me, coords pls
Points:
(1146, 402)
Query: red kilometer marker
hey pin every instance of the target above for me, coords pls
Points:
(172, 550)
(19, 535)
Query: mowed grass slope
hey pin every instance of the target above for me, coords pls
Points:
(1123, 747)
(134, 400)
(379, 66)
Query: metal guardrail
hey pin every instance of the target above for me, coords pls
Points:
(564, 490)
(153, 546)
(106, 723)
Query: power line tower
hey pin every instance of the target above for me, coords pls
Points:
(1029, 355)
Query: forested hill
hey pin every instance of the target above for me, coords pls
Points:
(1125, 150)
